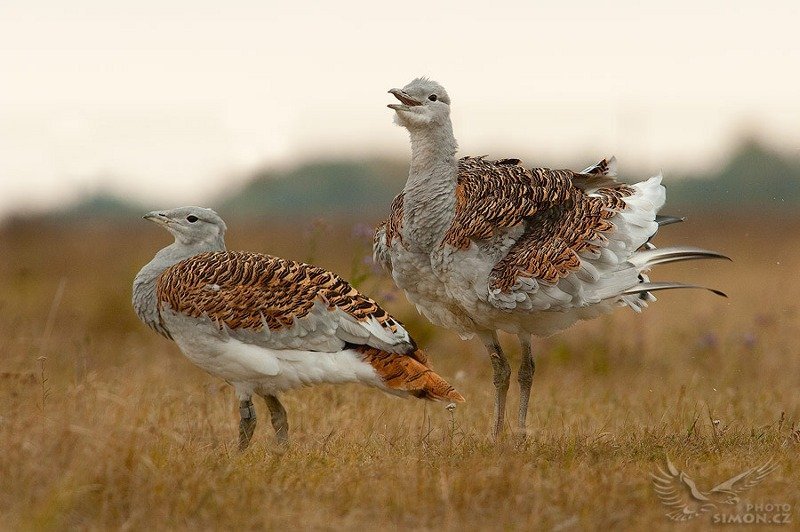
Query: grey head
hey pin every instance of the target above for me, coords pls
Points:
(423, 104)
(194, 227)
(196, 230)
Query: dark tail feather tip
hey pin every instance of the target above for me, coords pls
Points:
(651, 287)
(666, 219)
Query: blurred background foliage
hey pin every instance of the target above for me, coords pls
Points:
(755, 177)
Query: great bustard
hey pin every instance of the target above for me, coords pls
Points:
(266, 324)
(480, 246)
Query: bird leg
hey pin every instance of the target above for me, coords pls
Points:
(501, 378)
(247, 422)
(278, 416)
(525, 377)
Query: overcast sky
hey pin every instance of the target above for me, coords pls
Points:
(168, 102)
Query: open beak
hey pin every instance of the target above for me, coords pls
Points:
(157, 217)
(406, 101)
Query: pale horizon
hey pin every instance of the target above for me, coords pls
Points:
(174, 103)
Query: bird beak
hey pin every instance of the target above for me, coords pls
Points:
(157, 217)
(406, 100)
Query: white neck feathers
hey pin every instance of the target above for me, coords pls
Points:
(429, 194)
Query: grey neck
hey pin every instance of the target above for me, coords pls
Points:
(145, 301)
(429, 195)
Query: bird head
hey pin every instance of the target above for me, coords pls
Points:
(423, 103)
(191, 226)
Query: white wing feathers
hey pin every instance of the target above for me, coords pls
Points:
(371, 332)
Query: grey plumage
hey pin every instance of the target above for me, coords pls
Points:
(480, 246)
(266, 324)
(187, 244)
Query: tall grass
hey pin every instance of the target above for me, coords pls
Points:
(105, 425)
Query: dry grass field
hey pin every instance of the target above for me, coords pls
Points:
(104, 424)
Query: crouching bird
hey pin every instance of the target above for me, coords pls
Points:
(480, 246)
(266, 324)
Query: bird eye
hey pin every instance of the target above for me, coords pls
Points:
(432, 97)
(192, 218)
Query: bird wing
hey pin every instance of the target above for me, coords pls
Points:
(597, 176)
(563, 214)
(549, 248)
(679, 494)
(495, 195)
(386, 232)
(744, 481)
(278, 303)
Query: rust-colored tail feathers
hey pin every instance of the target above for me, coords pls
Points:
(409, 373)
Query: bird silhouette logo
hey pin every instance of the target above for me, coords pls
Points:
(685, 500)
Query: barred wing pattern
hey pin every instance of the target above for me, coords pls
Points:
(563, 214)
(261, 295)
(386, 232)
(561, 220)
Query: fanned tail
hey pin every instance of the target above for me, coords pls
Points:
(409, 373)
(635, 226)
